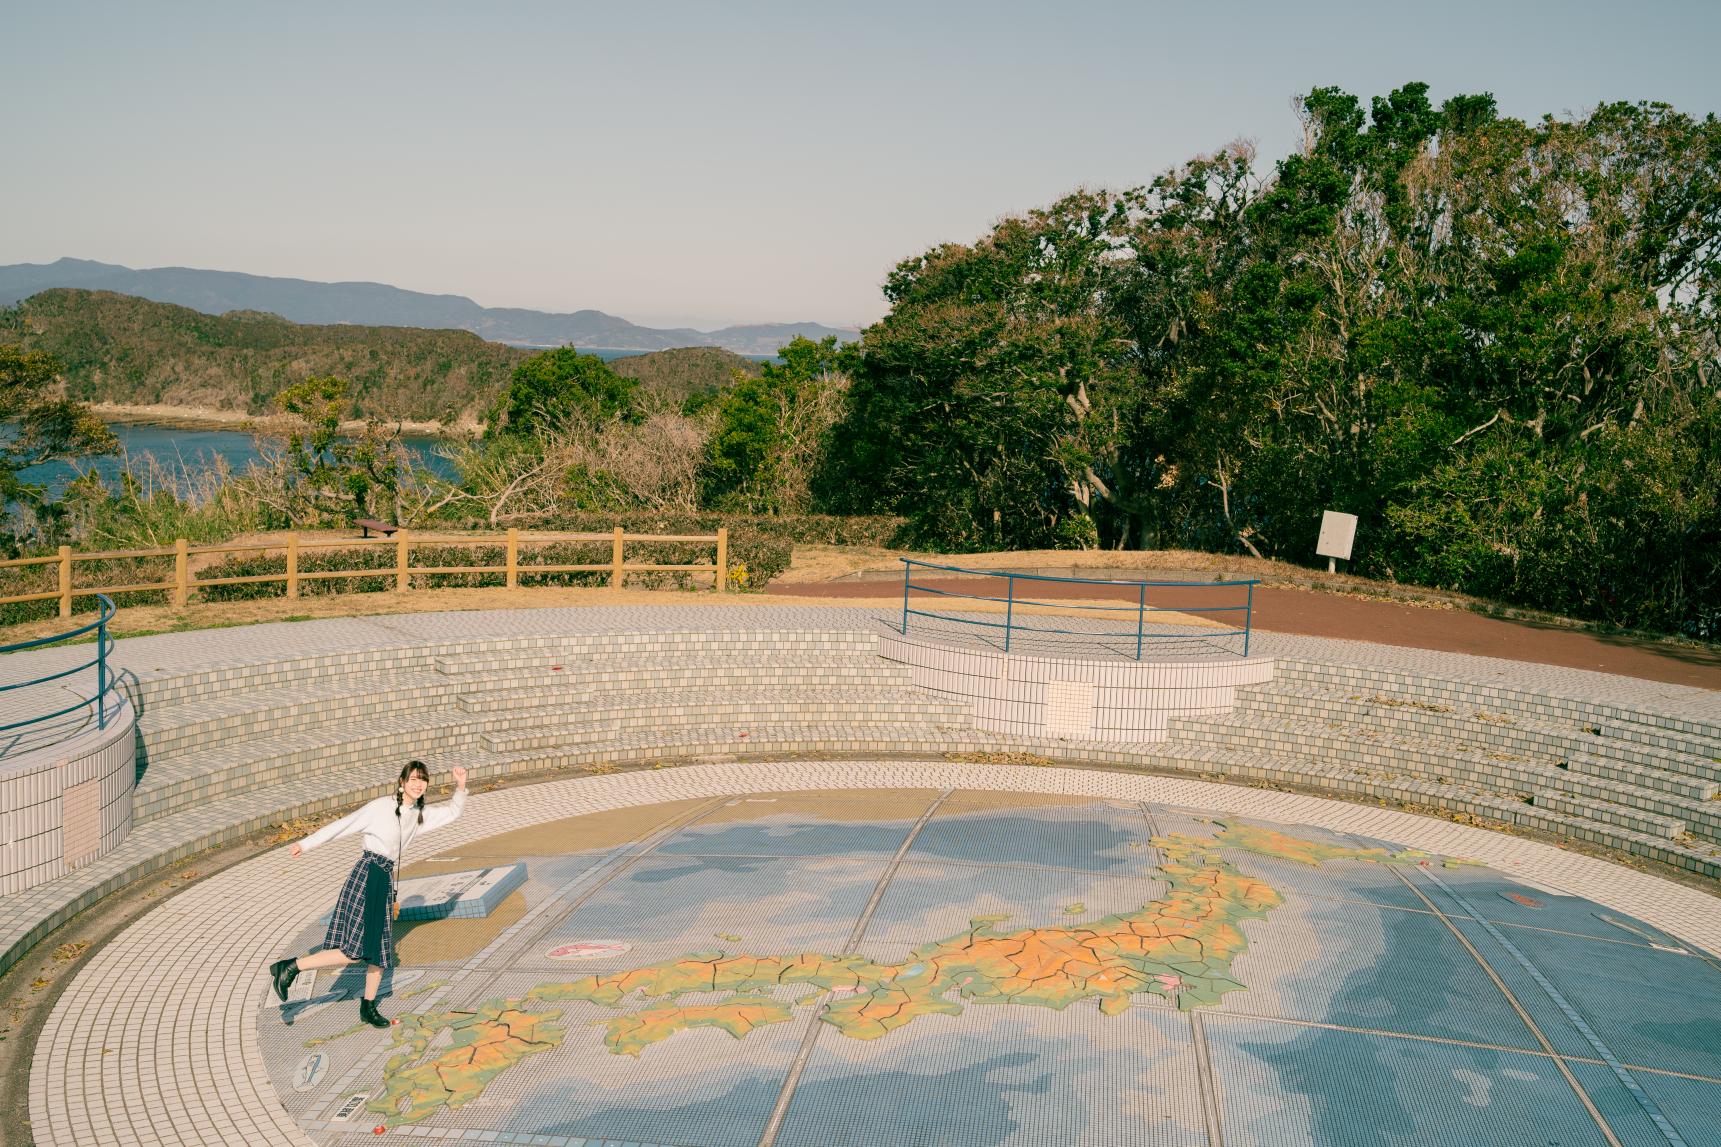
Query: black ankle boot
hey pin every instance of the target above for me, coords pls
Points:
(284, 972)
(369, 1014)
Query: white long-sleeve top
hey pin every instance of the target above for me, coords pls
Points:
(385, 835)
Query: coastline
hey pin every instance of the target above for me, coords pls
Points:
(211, 418)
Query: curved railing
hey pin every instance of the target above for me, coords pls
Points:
(104, 679)
(1096, 601)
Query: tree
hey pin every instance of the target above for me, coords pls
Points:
(46, 427)
(560, 386)
(1498, 343)
(324, 472)
(983, 405)
(770, 431)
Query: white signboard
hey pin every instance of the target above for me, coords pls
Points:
(1338, 532)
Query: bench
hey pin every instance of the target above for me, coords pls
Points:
(369, 524)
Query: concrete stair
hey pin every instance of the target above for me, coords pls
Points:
(528, 704)
(230, 748)
(1640, 782)
(1633, 744)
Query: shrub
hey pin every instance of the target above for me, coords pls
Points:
(46, 579)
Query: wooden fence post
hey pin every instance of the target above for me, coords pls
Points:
(513, 558)
(722, 558)
(615, 561)
(292, 564)
(181, 573)
(65, 581)
(402, 580)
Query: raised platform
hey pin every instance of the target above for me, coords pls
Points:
(66, 792)
(1073, 693)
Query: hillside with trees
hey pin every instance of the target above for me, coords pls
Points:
(380, 305)
(690, 374)
(130, 351)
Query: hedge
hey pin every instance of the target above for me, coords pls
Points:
(817, 529)
(46, 579)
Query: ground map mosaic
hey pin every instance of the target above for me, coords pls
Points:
(894, 968)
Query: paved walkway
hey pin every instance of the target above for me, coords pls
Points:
(156, 1041)
(175, 653)
(1310, 613)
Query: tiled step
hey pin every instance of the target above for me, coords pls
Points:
(1321, 741)
(149, 688)
(1521, 734)
(548, 653)
(213, 681)
(1518, 780)
(378, 747)
(1382, 784)
(266, 712)
(704, 741)
(1613, 720)
(522, 691)
(1668, 827)
(215, 774)
(731, 709)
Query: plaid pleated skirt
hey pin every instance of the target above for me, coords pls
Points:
(363, 924)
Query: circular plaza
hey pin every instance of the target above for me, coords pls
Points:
(771, 883)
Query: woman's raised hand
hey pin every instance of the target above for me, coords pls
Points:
(459, 776)
(296, 851)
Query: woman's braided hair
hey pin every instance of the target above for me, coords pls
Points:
(422, 770)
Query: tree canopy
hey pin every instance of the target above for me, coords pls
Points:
(550, 389)
(1495, 342)
(42, 425)
(770, 428)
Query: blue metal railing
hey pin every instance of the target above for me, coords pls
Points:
(104, 679)
(1243, 604)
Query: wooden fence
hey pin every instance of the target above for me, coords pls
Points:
(184, 581)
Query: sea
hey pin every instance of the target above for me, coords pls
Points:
(179, 449)
(183, 451)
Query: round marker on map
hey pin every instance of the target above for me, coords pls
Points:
(309, 1071)
(589, 950)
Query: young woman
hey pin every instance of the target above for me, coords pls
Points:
(362, 927)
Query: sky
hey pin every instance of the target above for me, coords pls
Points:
(701, 164)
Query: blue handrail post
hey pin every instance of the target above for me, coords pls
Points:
(102, 672)
(1009, 608)
(1248, 618)
(1140, 616)
(98, 663)
(907, 568)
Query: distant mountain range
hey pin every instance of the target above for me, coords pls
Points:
(377, 304)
